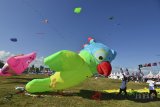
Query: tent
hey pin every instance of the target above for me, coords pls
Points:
(150, 75)
(157, 75)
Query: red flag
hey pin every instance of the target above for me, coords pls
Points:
(149, 64)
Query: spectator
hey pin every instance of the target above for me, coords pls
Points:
(152, 89)
(123, 86)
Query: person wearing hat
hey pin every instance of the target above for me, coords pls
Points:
(123, 86)
(152, 89)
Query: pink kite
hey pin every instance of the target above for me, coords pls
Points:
(17, 64)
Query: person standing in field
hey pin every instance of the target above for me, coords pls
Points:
(152, 89)
(123, 86)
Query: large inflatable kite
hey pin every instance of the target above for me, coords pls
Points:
(72, 68)
(17, 64)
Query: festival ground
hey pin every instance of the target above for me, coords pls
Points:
(79, 96)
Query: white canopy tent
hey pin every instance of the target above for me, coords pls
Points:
(116, 75)
(157, 75)
(150, 75)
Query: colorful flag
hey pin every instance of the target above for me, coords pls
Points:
(149, 64)
(140, 66)
(154, 64)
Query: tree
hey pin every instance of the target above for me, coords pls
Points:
(1, 64)
(37, 69)
(32, 68)
(41, 68)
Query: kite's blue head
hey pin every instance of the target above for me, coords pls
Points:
(98, 56)
(100, 51)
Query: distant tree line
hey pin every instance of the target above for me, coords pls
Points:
(34, 69)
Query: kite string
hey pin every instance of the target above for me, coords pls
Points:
(35, 10)
(40, 14)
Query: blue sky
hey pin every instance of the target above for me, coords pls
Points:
(134, 31)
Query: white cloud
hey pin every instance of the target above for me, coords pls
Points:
(4, 55)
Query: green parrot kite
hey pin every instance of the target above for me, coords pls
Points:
(72, 68)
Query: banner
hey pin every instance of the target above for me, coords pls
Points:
(149, 64)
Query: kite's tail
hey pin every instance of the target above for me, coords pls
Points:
(4, 74)
(39, 85)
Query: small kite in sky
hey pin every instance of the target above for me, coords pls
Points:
(13, 39)
(118, 24)
(77, 10)
(45, 21)
(111, 18)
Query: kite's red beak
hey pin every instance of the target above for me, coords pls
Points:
(104, 68)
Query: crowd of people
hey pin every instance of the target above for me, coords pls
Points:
(126, 79)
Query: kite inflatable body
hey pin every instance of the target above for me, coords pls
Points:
(17, 64)
(72, 68)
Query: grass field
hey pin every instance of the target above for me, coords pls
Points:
(79, 96)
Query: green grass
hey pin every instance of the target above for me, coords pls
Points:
(79, 96)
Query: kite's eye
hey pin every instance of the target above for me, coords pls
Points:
(27, 62)
(31, 58)
(100, 55)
